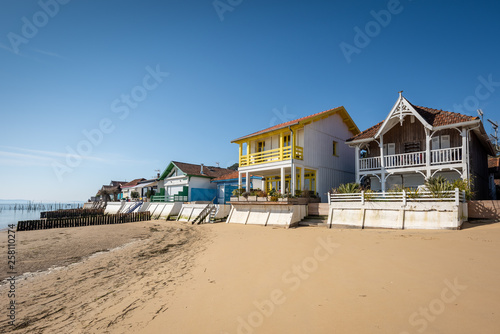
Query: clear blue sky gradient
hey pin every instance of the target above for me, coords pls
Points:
(264, 63)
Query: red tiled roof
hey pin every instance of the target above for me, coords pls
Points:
(132, 183)
(440, 117)
(233, 175)
(210, 171)
(435, 117)
(493, 162)
(283, 125)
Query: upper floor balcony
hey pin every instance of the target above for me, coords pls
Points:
(274, 155)
(410, 160)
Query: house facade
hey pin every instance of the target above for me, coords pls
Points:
(130, 187)
(494, 177)
(184, 182)
(416, 143)
(229, 182)
(306, 154)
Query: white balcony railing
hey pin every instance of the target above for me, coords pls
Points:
(446, 155)
(369, 163)
(404, 160)
(438, 157)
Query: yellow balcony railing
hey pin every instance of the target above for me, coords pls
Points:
(277, 154)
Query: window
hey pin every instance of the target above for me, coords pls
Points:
(435, 143)
(440, 142)
(261, 146)
(334, 146)
(389, 149)
(445, 141)
(286, 140)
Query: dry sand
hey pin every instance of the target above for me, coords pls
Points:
(226, 278)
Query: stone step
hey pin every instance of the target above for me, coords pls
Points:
(313, 222)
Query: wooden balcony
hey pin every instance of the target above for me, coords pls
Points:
(409, 160)
(275, 155)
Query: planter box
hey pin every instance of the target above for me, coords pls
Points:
(252, 198)
(242, 199)
(261, 199)
(233, 198)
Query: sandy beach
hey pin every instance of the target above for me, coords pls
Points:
(171, 277)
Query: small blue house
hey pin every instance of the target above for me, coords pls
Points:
(229, 182)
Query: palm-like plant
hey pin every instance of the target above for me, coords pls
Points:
(438, 186)
(348, 188)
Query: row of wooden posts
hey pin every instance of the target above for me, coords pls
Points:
(71, 213)
(119, 218)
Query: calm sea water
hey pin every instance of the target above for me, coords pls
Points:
(10, 216)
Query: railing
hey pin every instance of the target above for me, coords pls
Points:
(299, 153)
(456, 196)
(442, 156)
(169, 198)
(405, 159)
(369, 163)
(446, 155)
(277, 154)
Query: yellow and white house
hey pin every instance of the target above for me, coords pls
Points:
(308, 153)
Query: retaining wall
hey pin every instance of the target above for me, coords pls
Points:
(158, 210)
(318, 209)
(484, 209)
(267, 213)
(417, 215)
(189, 212)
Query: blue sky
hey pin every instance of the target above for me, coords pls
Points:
(155, 81)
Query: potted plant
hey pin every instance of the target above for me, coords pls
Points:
(236, 193)
(252, 196)
(261, 196)
(244, 196)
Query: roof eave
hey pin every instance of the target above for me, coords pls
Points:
(261, 133)
(456, 125)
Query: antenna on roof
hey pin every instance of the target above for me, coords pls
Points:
(217, 163)
(480, 113)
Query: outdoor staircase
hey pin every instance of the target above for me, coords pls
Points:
(314, 220)
(135, 206)
(210, 210)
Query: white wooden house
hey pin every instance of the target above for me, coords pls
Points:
(185, 182)
(415, 143)
(304, 154)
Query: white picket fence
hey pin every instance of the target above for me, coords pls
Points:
(456, 196)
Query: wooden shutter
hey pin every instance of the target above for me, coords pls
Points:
(435, 143)
(445, 141)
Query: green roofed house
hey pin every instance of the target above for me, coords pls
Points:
(184, 182)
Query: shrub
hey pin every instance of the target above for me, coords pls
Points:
(238, 191)
(134, 194)
(464, 185)
(437, 186)
(348, 188)
(261, 193)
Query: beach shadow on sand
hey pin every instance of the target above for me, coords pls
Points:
(471, 223)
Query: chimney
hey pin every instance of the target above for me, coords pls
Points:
(201, 171)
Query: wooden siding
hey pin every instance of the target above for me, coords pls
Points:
(478, 167)
(411, 133)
